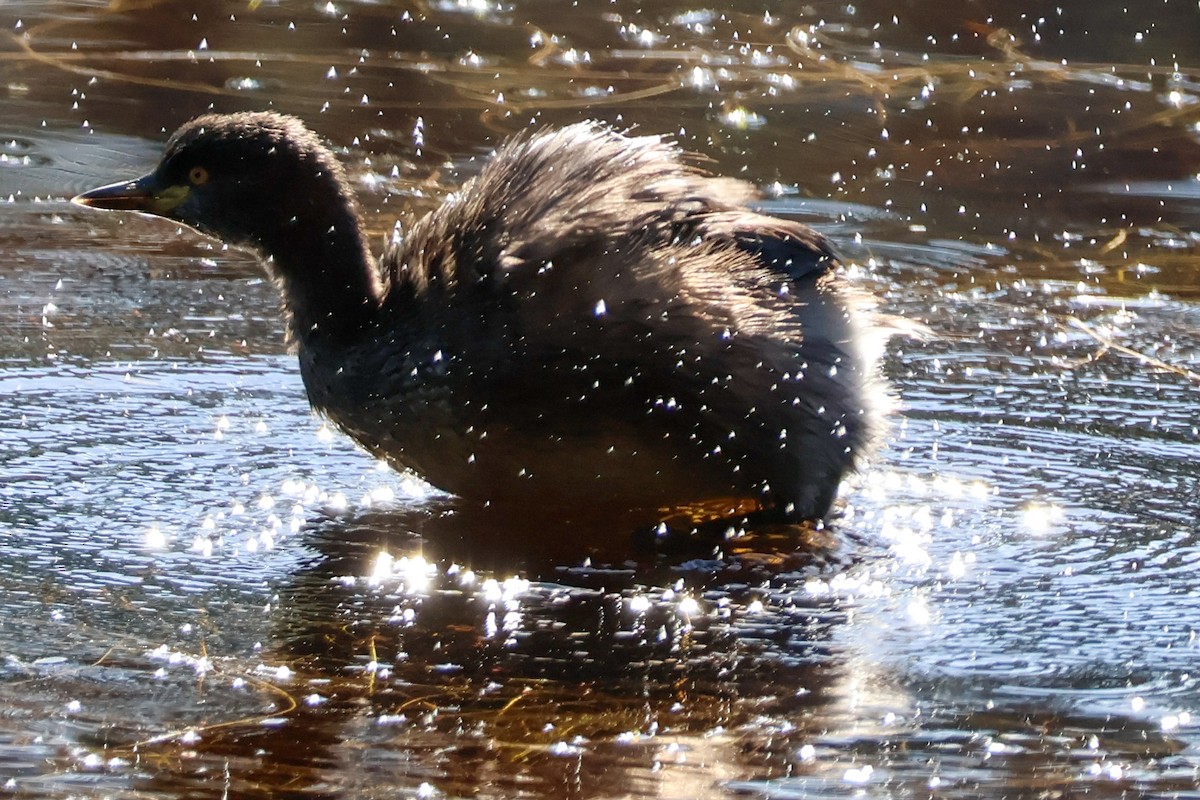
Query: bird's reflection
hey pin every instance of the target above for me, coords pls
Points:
(707, 545)
(519, 677)
(421, 652)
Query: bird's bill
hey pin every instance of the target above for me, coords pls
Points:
(143, 194)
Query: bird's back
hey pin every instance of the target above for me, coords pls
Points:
(593, 320)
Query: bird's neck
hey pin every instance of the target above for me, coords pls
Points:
(331, 287)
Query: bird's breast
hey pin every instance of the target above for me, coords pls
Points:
(397, 401)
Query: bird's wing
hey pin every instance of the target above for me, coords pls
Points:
(778, 246)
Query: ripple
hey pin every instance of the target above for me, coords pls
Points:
(17, 153)
(15, 146)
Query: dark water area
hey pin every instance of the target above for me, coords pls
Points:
(206, 593)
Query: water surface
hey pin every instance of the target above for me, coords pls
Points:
(209, 594)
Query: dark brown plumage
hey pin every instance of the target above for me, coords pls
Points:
(590, 325)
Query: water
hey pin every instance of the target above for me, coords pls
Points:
(195, 602)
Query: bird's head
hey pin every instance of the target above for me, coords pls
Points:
(251, 178)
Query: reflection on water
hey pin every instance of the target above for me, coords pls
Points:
(208, 594)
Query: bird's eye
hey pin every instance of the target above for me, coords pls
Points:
(198, 176)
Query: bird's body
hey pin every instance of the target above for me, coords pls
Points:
(588, 325)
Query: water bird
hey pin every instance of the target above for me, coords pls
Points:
(593, 325)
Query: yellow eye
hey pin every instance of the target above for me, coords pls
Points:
(198, 176)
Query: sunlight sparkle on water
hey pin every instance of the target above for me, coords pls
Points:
(918, 611)
(742, 119)
(892, 486)
(1040, 519)
(858, 775)
(508, 591)
(907, 531)
(155, 538)
(378, 495)
(959, 564)
(382, 568)
(1175, 721)
(415, 573)
(479, 8)
(844, 584)
(638, 604)
(281, 673)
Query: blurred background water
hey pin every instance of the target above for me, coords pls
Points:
(207, 593)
